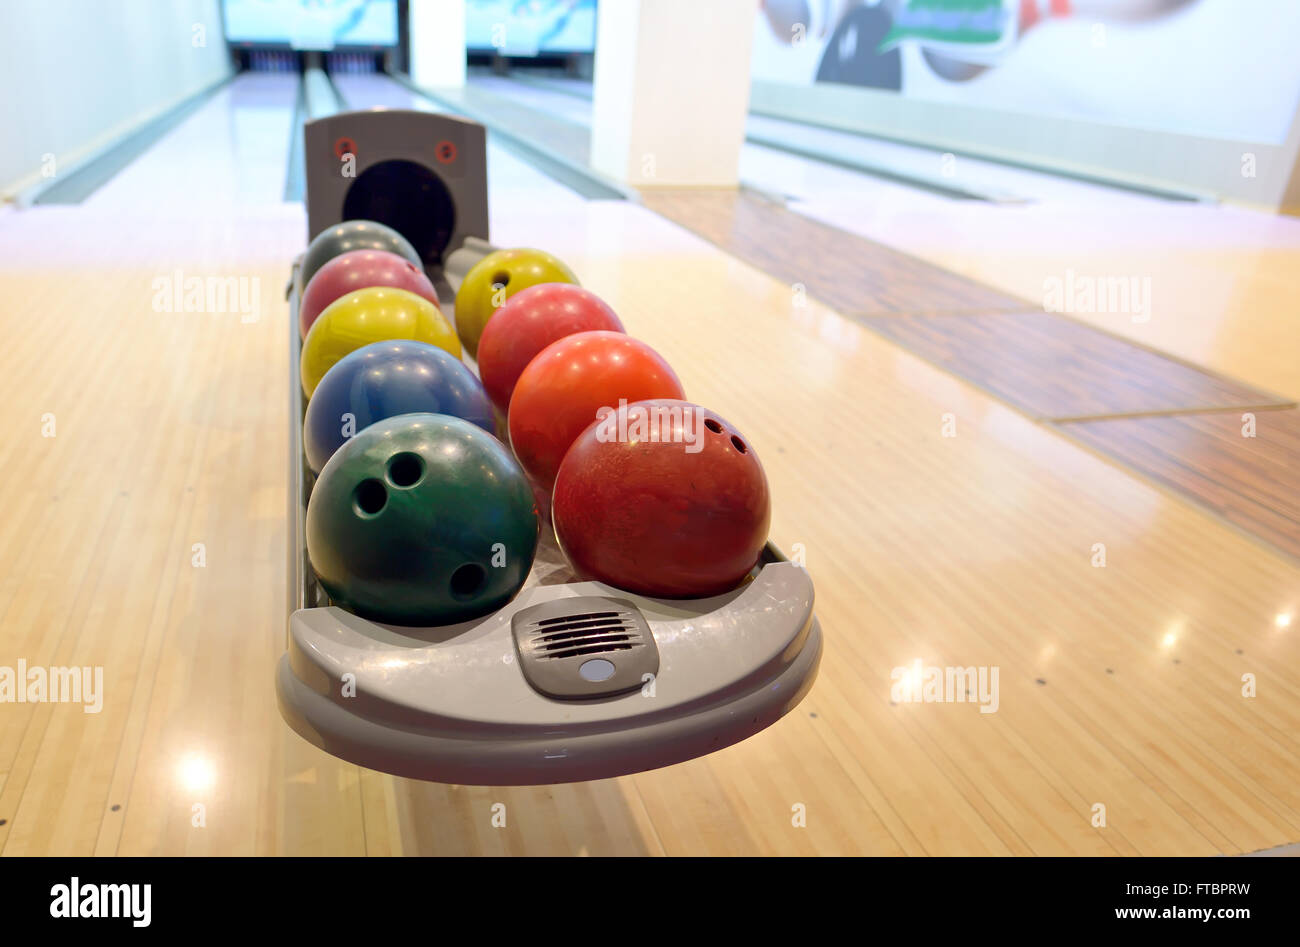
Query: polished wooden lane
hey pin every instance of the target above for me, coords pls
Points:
(1245, 467)
(977, 549)
(1052, 367)
(1220, 284)
(851, 274)
(1120, 683)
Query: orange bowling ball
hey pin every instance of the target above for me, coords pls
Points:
(528, 323)
(573, 383)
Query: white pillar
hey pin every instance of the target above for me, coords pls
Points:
(671, 91)
(437, 31)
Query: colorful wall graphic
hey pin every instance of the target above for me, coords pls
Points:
(1214, 68)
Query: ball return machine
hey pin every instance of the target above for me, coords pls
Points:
(635, 683)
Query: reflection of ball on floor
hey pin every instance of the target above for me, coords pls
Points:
(852, 55)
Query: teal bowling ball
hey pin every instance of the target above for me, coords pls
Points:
(354, 235)
(422, 519)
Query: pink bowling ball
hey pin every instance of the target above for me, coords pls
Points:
(359, 269)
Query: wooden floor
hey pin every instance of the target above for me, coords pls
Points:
(854, 276)
(1054, 368)
(1121, 685)
(939, 524)
(1242, 465)
(1049, 365)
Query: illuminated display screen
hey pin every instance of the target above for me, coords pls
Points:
(312, 24)
(531, 27)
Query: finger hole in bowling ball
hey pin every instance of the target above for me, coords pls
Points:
(501, 279)
(467, 580)
(370, 497)
(405, 469)
(713, 426)
(739, 444)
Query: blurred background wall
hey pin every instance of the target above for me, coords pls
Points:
(78, 73)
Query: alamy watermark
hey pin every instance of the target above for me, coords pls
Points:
(53, 685)
(916, 683)
(241, 295)
(1130, 295)
(674, 424)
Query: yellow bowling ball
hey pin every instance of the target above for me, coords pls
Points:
(375, 314)
(496, 278)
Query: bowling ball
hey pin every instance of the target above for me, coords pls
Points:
(528, 322)
(354, 235)
(494, 279)
(422, 519)
(355, 270)
(383, 380)
(562, 390)
(662, 498)
(373, 314)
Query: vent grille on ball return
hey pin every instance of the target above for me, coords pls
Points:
(584, 647)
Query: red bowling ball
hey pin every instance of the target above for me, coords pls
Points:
(359, 269)
(564, 389)
(662, 498)
(529, 321)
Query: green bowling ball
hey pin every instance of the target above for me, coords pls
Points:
(354, 235)
(422, 519)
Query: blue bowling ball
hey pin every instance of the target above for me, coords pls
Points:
(386, 379)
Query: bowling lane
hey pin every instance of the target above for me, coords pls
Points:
(231, 153)
(513, 184)
(801, 177)
(541, 95)
(969, 550)
(1220, 283)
